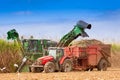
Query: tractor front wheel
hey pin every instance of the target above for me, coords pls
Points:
(49, 67)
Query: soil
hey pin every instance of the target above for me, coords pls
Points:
(110, 74)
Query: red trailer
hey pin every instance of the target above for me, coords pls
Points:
(74, 57)
(87, 58)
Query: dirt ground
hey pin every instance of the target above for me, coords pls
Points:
(110, 74)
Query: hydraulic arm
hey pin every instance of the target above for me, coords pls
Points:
(77, 31)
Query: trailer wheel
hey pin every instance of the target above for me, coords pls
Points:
(49, 67)
(67, 65)
(102, 66)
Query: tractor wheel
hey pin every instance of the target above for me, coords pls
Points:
(67, 65)
(102, 66)
(49, 67)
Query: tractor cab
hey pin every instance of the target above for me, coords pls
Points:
(56, 52)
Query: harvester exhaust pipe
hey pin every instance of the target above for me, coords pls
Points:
(83, 24)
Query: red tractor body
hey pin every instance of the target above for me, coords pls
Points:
(45, 59)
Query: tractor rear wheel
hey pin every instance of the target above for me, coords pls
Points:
(67, 65)
(49, 67)
(102, 66)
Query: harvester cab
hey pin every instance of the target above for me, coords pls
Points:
(37, 48)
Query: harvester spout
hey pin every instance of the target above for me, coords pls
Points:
(77, 31)
(84, 25)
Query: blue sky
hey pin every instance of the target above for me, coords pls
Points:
(54, 18)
